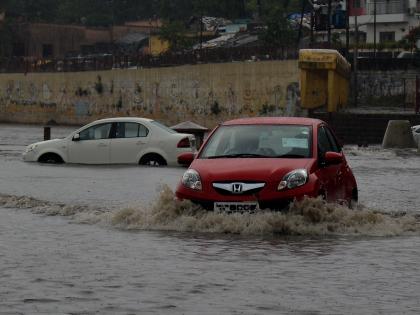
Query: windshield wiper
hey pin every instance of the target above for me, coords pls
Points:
(238, 155)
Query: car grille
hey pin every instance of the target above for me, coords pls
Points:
(238, 188)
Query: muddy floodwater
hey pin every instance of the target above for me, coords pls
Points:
(113, 240)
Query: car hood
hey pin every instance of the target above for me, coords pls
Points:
(47, 142)
(248, 169)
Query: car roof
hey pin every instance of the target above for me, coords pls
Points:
(123, 119)
(274, 121)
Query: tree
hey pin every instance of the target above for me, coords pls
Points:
(279, 32)
(174, 33)
(412, 37)
(268, 6)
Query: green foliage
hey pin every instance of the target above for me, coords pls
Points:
(279, 33)
(411, 39)
(174, 33)
(106, 12)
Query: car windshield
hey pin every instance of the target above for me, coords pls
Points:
(272, 141)
(162, 126)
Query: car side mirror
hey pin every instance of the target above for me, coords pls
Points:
(76, 137)
(185, 159)
(332, 158)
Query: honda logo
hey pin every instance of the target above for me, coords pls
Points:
(237, 188)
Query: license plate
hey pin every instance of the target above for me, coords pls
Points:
(232, 207)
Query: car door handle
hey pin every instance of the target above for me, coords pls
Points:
(140, 142)
(102, 145)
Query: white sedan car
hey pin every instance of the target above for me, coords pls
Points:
(115, 141)
(416, 133)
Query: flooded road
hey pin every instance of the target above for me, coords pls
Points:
(89, 240)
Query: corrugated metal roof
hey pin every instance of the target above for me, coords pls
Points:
(132, 38)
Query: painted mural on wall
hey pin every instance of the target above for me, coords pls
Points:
(170, 95)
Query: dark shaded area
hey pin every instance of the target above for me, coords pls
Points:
(107, 12)
(362, 129)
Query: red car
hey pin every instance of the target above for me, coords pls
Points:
(258, 163)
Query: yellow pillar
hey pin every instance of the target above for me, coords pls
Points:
(332, 92)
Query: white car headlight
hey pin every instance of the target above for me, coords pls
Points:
(294, 179)
(31, 147)
(191, 179)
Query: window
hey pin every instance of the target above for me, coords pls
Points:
(162, 126)
(386, 37)
(357, 4)
(130, 130)
(324, 144)
(335, 146)
(277, 141)
(96, 132)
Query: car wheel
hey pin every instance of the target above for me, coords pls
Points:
(323, 195)
(153, 160)
(354, 201)
(51, 158)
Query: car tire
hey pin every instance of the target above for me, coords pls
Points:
(153, 159)
(354, 201)
(323, 195)
(50, 158)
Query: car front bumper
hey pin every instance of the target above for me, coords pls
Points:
(268, 198)
(29, 156)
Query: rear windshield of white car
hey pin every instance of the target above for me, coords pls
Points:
(271, 141)
(162, 126)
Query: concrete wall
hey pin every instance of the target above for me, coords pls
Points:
(206, 94)
(385, 88)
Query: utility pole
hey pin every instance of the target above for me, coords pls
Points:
(374, 29)
(355, 55)
(347, 29)
(259, 10)
(301, 23)
(201, 26)
(312, 27)
(329, 23)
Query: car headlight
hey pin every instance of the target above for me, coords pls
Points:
(294, 179)
(191, 179)
(31, 147)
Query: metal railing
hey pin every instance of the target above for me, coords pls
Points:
(387, 7)
(109, 61)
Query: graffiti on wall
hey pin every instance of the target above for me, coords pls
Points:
(172, 99)
(383, 87)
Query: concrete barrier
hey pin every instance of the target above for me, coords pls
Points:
(398, 135)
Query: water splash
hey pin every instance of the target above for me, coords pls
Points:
(307, 217)
(310, 217)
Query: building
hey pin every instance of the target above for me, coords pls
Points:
(394, 18)
(42, 40)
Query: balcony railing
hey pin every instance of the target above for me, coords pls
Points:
(387, 7)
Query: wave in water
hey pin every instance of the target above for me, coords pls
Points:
(311, 217)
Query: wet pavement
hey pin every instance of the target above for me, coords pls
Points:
(84, 240)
